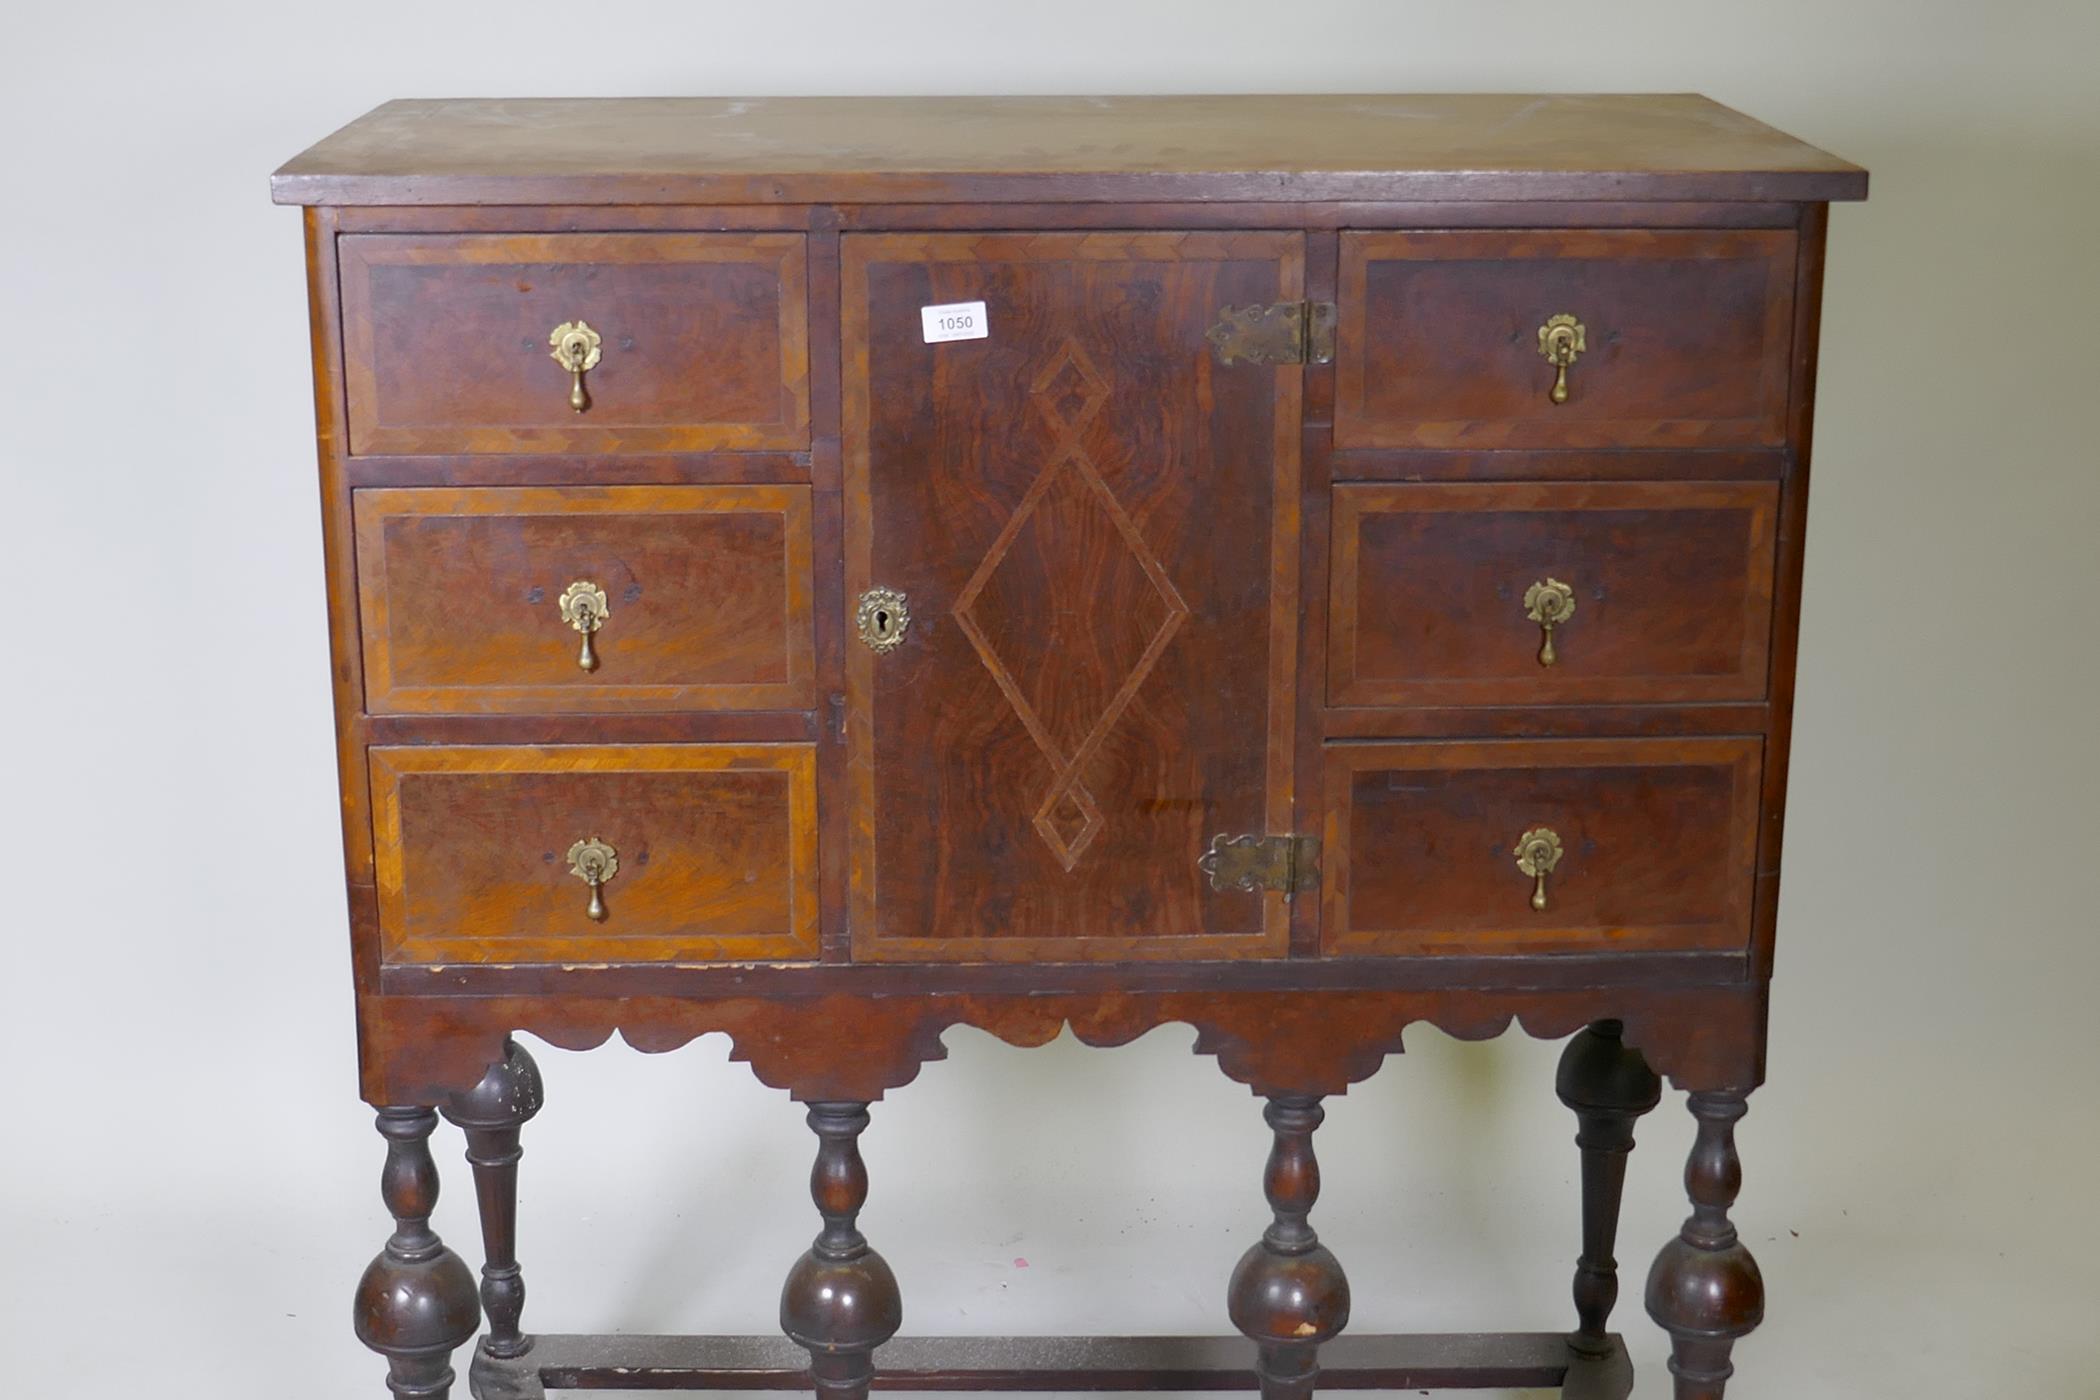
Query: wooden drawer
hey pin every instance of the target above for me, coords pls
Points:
(706, 598)
(715, 844)
(703, 342)
(1430, 592)
(1685, 338)
(1657, 837)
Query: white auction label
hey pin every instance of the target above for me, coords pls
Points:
(961, 320)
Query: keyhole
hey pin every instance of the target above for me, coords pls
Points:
(881, 618)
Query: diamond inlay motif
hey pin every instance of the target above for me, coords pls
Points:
(1074, 668)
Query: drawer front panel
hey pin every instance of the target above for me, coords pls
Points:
(705, 598)
(1656, 844)
(702, 342)
(1432, 593)
(714, 853)
(1684, 338)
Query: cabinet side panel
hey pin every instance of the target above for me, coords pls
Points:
(346, 667)
(1786, 613)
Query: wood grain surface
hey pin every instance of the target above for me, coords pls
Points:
(1687, 334)
(727, 150)
(851, 1046)
(1657, 834)
(1672, 581)
(1095, 524)
(716, 846)
(705, 341)
(708, 593)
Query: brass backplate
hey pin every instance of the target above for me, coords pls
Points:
(594, 862)
(1537, 852)
(1289, 864)
(1285, 333)
(575, 346)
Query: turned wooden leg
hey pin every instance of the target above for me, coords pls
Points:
(491, 1113)
(1705, 1289)
(1288, 1293)
(1608, 1085)
(416, 1302)
(840, 1301)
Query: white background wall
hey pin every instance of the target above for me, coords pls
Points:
(187, 1181)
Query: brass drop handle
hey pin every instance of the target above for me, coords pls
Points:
(583, 608)
(1538, 851)
(594, 862)
(576, 349)
(1549, 603)
(1561, 340)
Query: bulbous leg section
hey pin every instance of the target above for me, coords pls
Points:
(1609, 1086)
(1288, 1293)
(492, 1114)
(1705, 1289)
(416, 1302)
(840, 1301)
(841, 1309)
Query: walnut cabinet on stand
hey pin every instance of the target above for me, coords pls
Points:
(829, 570)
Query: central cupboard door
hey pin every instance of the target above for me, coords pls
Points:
(1094, 525)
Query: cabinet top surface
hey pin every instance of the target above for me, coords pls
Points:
(1440, 147)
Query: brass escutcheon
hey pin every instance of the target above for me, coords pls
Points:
(583, 608)
(1538, 851)
(881, 619)
(1549, 603)
(594, 862)
(1561, 339)
(576, 349)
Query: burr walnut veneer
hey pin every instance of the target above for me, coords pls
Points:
(828, 570)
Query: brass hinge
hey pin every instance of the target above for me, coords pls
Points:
(1287, 333)
(1288, 864)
